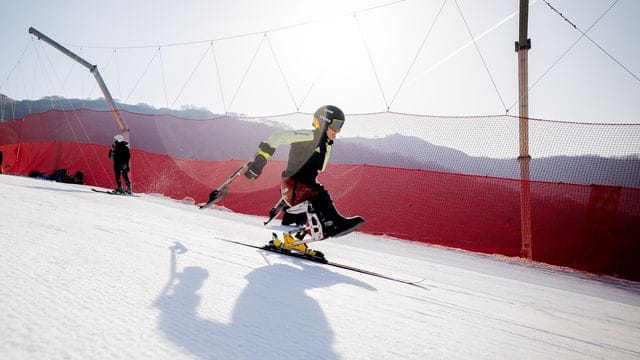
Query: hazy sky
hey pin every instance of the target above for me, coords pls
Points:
(331, 60)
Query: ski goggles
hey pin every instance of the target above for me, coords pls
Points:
(336, 125)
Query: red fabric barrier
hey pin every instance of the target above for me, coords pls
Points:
(591, 228)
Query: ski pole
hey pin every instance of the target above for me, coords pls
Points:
(218, 193)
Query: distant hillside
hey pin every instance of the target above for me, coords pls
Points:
(240, 138)
(572, 169)
(15, 109)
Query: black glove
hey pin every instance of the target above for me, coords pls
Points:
(124, 167)
(213, 195)
(255, 169)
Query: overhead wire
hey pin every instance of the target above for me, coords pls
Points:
(229, 37)
(245, 74)
(142, 75)
(164, 81)
(542, 76)
(191, 75)
(106, 66)
(115, 57)
(24, 86)
(373, 66)
(82, 82)
(252, 34)
(480, 54)
(311, 87)
(418, 52)
(593, 41)
(389, 104)
(17, 63)
(284, 78)
(66, 78)
(33, 83)
(15, 66)
(467, 44)
(351, 13)
(68, 120)
(215, 62)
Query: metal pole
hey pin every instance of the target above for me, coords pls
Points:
(94, 70)
(522, 48)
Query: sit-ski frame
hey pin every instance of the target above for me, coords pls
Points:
(312, 226)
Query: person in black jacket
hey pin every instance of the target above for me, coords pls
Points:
(120, 155)
(308, 156)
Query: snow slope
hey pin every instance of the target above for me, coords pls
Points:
(88, 275)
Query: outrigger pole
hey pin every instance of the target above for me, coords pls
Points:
(124, 129)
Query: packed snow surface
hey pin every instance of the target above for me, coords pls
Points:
(88, 275)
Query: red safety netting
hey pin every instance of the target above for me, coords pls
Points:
(588, 227)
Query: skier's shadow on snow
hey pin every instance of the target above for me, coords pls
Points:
(273, 317)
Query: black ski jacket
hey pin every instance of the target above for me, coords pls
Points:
(120, 153)
(309, 153)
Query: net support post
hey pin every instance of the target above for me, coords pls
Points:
(522, 47)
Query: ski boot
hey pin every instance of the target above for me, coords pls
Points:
(128, 189)
(333, 223)
(118, 191)
(341, 226)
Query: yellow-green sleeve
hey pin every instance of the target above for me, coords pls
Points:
(326, 157)
(289, 137)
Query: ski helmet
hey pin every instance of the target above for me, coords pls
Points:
(328, 116)
(118, 138)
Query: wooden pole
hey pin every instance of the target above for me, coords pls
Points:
(522, 48)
